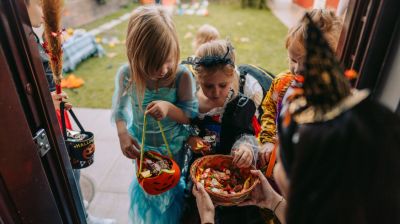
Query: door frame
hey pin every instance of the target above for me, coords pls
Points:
(367, 38)
(32, 108)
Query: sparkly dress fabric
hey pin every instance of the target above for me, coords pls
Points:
(167, 207)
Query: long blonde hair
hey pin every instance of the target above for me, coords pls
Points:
(326, 21)
(217, 48)
(150, 40)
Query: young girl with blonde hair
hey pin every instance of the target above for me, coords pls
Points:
(153, 84)
(205, 33)
(228, 105)
(330, 25)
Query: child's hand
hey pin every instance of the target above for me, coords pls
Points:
(57, 98)
(198, 145)
(158, 109)
(242, 156)
(129, 146)
(265, 153)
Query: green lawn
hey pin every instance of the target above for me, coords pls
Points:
(257, 36)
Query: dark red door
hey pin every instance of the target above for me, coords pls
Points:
(24, 182)
(36, 179)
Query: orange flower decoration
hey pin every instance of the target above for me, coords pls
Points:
(350, 74)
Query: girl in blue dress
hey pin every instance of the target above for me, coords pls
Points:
(153, 84)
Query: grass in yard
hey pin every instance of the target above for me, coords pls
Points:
(124, 9)
(257, 36)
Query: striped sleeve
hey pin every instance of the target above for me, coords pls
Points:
(270, 106)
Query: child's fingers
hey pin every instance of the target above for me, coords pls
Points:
(240, 163)
(234, 157)
(59, 97)
(135, 144)
(244, 162)
(263, 158)
(237, 155)
(56, 96)
(63, 95)
(150, 106)
(129, 155)
(127, 152)
(155, 113)
(245, 159)
(267, 156)
(68, 106)
(151, 110)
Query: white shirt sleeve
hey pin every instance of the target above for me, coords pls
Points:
(254, 91)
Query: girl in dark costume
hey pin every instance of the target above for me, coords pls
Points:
(227, 121)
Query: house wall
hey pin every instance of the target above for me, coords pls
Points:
(308, 4)
(388, 92)
(80, 12)
(304, 3)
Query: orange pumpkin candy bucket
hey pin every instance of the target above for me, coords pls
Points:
(156, 173)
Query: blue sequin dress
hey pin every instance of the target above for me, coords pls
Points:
(167, 207)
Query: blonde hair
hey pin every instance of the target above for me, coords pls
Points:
(217, 48)
(150, 41)
(205, 33)
(326, 21)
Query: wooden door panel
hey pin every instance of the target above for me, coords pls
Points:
(26, 107)
(20, 164)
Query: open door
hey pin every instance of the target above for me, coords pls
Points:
(36, 182)
(368, 37)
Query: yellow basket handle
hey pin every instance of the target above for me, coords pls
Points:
(143, 138)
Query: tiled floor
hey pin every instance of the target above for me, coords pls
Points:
(111, 171)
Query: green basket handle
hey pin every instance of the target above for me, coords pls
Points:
(143, 138)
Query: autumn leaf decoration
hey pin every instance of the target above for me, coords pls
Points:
(53, 39)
